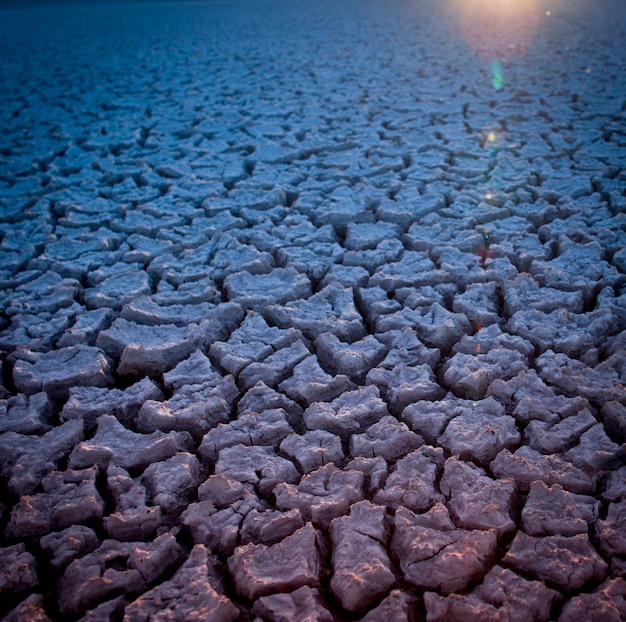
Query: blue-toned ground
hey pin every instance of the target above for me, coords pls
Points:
(313, 311)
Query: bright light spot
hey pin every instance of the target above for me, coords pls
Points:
(588, 70)
(548, 13)
(492, 138)
(489, 196)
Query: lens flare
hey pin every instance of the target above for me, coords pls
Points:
(492, 138)
(497, 80)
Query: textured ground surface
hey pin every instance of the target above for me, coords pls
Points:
(313, 311)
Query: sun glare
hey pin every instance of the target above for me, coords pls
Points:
(496, 29)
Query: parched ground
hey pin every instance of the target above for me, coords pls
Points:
(313, 311)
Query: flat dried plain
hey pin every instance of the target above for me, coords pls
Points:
(313, 311)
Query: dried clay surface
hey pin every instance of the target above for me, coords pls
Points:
(313, 311)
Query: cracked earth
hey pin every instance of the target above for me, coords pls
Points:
(313, 311)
